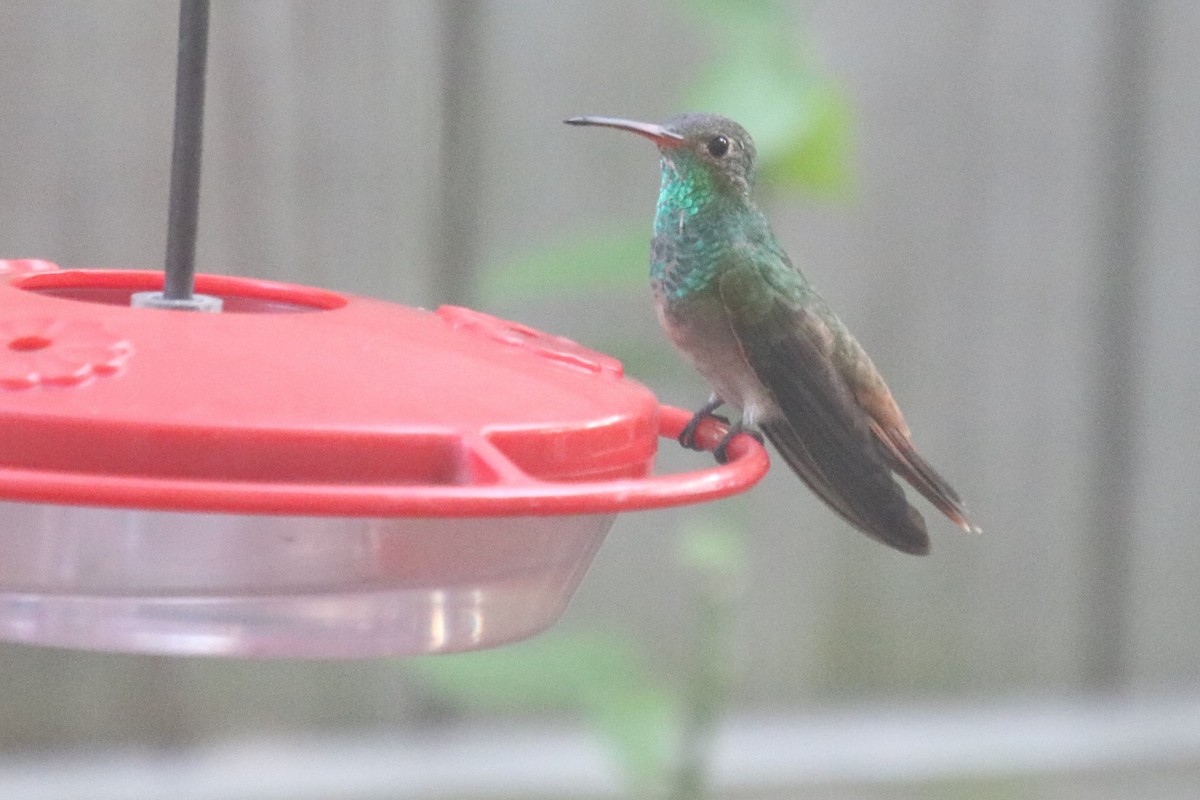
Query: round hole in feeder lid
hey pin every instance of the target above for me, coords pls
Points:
(306, 474)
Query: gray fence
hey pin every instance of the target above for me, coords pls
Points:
(1021, 257)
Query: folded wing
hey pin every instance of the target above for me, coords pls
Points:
(822, 431)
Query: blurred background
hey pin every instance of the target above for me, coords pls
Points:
(1001, 199)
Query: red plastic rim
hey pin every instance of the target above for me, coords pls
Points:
(364, 408)
(114, 288)
(512, 492)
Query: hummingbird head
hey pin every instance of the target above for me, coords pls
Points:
(695, 145)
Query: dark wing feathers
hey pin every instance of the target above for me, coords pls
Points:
(824, 435)
(905, 459)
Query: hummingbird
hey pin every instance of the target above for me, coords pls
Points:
(733, 304)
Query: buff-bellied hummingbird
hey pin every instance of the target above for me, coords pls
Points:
(733, 304)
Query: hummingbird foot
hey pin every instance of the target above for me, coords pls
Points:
(687, 436)
(721, 451)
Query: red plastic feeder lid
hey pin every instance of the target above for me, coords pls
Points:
(296, 400)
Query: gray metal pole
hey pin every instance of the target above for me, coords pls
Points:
(185, 167)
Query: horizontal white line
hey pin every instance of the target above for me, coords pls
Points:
(1016, 737)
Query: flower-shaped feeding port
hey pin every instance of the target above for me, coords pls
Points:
(54, 352)
(307, 474)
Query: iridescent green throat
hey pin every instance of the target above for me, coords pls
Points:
(682, 195)
(690, 231)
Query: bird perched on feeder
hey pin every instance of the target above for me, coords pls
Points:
(733, 304)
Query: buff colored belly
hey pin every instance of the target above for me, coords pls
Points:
(699, 330)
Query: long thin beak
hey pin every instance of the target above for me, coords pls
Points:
(655, 133)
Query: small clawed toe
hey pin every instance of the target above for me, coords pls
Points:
(721, 452)
(687, 436)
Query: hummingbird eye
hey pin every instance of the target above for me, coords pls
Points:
(718, 146)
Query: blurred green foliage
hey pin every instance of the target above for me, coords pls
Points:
(766, 80)
(658, 728)
(761, 75)
(595, 674)
(592, 260)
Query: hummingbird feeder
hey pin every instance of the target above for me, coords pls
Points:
(301, 473)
